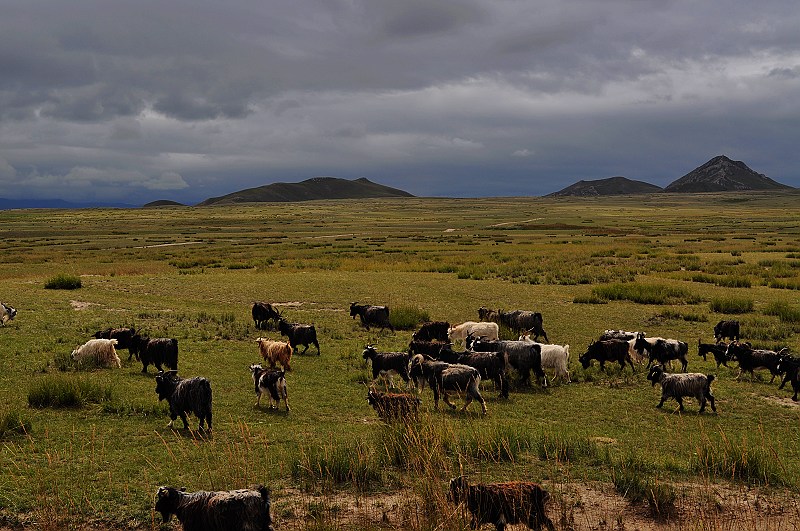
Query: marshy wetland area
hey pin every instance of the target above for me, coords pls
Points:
(87, 447)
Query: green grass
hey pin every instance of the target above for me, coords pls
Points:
(63, 281)
(731, 305)
(13, 423)
(594, 265)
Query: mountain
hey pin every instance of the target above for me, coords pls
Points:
(610, 186)
(8, 204)
(722, 174)
(308, 190)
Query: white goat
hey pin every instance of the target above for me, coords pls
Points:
(98, 351)
(554, 357)
(484, 329)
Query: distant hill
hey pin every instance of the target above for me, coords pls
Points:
(308, 190)
(610, 186)
(722, 174)
(162, 203)
(8, 204)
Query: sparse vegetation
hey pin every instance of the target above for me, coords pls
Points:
(63, 281)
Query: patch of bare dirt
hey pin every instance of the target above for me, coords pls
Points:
(81, 305)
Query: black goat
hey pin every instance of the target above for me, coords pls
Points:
(524, 321)
(726, 329)
(432, 331)
(443, 377)
(371, 315)
(717, 349)
(387, 363)
(123, 336)
(235, 510)
(490, 365)
(750, 359)
(299, 334)
(262, 313)
(612, 350)
(790, 368)
(663, 351)
(501, 504)
(523, 356)
(156, 352)
(192, 395)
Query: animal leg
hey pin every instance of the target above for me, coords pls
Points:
(680, 402)
(447, 401)
(258, 399)
(185, 421)
(663, 399)
(710, 398)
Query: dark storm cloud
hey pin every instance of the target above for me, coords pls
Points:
(191, 99)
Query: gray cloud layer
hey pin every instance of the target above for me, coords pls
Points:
(185, 100)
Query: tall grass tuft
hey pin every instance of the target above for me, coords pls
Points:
(783, 311)
(643, 293)
(635, 482)
(13, 423)
(356, 465)
(408, 317)
(738, 460)
(563, 448)
(731, 305)
(59, 391)
(495, 443)
(63, 281)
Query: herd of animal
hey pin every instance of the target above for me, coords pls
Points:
(431, 359)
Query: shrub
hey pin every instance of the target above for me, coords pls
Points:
(12, 423)
(63, 281)
(731, 305)
(408, 317)
(643, 293)
(62, 392)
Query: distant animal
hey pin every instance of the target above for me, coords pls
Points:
(751, 359)
(484, 330)
(273, 382)
(617, 334)
(100, 352)
(501, 504)
(717, 349)
(122, 335)
(443, 377)
(678, 386)
(523, 321)
(275, 352)
(790, 368)
(393, 406)
(190, 395)
(432, 331)
(263, 312)
(157, 352)
(726, 329)
(7, 313)
(386, 364)
(234, 510)
(370, 315)
(299, 334)
(612, 350)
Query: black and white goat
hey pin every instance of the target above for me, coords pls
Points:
(387, 364)
(501, 504)
(271, 381)
(678, 386)
(233, 510)
(662, 350)
(491, 366)
(443, 377)
(190, 395)
(523, 356)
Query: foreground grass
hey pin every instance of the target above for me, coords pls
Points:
(637, 269)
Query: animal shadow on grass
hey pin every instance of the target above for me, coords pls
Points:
(279, 411)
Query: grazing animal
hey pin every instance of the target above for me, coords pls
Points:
(726, 329)
(157, 352)
(234, 510)
(554, 357)
(394, 406)
(618, 334)
(501, 504)
(432, 331)
(371, 315)
(122, 335)
(612, 350)
(524, 321)
(717, 349)
(790, 368)
(275, 352)
(431, 348)
(751, 360)
(263, 312)
(299, 334)
(662, 350)
(7, 313)
(443, 377)
(485, 314)
(100, 352)
(677, 386)
(386, 364)
(273, 382)
(484, 330)
(490, 365)
(523, 356)
(190, 395)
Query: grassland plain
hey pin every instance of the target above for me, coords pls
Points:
(599, 445)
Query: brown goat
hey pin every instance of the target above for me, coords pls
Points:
(275, 352)
(502, 503)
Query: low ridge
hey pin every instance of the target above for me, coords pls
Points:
(609, 186)
(309, 190)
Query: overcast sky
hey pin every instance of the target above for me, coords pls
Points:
(140, 100)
